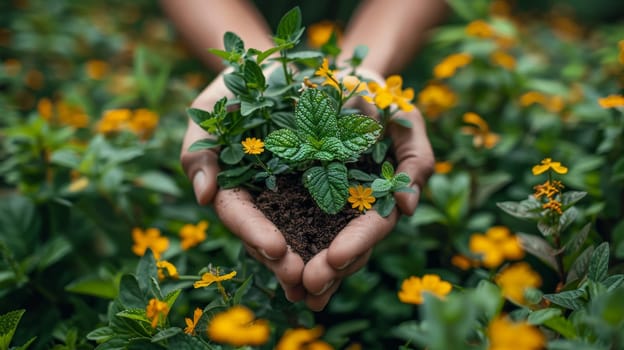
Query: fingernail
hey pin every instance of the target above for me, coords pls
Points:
(265, 255)
(325, 288)
(199, 185)
(345, 265)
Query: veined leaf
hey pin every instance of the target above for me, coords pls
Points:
(289, 24)
(233, 43)
(253, 75)
(358, 132)
(387, 170)
(8, 325)
(599, 263)
(328, 186)
(315, 117)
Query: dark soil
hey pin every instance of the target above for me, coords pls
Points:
(307, 229)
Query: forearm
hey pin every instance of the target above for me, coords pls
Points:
(393, 30)
(202, 24)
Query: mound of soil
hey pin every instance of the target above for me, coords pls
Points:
(307, 229)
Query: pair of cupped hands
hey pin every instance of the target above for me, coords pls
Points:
(317, 280)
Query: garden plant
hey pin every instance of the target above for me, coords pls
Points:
(517, 243)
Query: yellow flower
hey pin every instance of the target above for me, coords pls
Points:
(361, 197)
(319, 33)
(170, 269)
(479, 29)
(548, 189)
(143, 123)
(552, 103)
(546, 164)
(45, 108)
(351, 83)
(238, 327)
(113, 120)
(156, 311)
(436, 98)
(96, 69)
(392, 93)
(208, 278)
(252, 145)
(496, 245)
(149, 238)
(329, 75)
(412, 289)
(507, 335)
(191, 324)
(517, 278)
(463, 262)
(553, 205)
(192, 235)
(621, 45)
(503, 59)
(301, 338)
(481, 132)
(450, 64)
(611, 101)
(71, 115)
(443, 167)
(78, 184)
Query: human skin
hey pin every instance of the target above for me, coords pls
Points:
(393, 30)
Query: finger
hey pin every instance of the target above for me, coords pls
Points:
(288, 272)
(201, 167)
(358, 237)
(414, 157)
(237, 211)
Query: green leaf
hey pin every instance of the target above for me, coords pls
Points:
(328, 186)
(572, 197)
(8, 325)
(130, 293)
(286, 144)
(233, 43)
(401, 182)
(599, 263)
(384, 205)
(253, 75)
(67, 158)
(387, 170)
(540, 316)
(203, 145)
(101, 334)
(540, 248)
(232, 154)
(94, 286)
(380, 149)
(576, 242)
(236, 84)
(248, 106)
(284, 120)
(427, 214)
(242, 290)
(146, 270)
(561, 325)
(359, 175)
(315, 117)
(166, 334)
(526, 209)
(358, 132)
(134, 314)
(571, 299)
(53, 251)
(198, 115)
(290, 24)
(172, 296)
(580, 265)
(158, 182)
(381, 185)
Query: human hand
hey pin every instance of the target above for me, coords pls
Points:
(352, 247)
(235, 207)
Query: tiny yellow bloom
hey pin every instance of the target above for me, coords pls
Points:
(302, 338)
(436, 98)
(482, 137)
(45, 109)
(503, 59)
(504, 334)
(330, 76)
(156, 311)
(546, 164)
(170, 269)
(192, 235)
(191, 324)
(553, 205)
(611, 101)
(78, 184)
(113, 120)
(496, 245)
(238, 327)
(96, 69)
(71, 115)
(621, 45)
(412, 289)
(516, 279)
(443, 167)
(150, 238)
(548, 189)
(352, 83)
(391, 93)
(480, 29)
(208, 278)
(360, 197)
(463, 262)
(143, 123)
(320, 32)
(252, 145)
(449, 65)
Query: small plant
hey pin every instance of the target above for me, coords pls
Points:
(298, 113)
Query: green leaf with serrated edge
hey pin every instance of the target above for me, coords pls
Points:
(540, 316)
(570, 299)
(232, 154)
(526, 209)
(253, 75)
(130, 293)
(233, 43)
(381, 185)
(387, 170)
(328, 186)
(599, 263)
(289, 24)
(580, 265)
(572, 197)
(284, 143)
(8, 325)
(204, 144)
(612, 282)
(538, 247)
(166, 334)
(134, 314)
(101, 334)
(578, 239)
(235, 83)
(401, 181)
(315, 117)
(329, 149)
(359, 175)
(384, 205)
(226, 55)
(358, 132)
